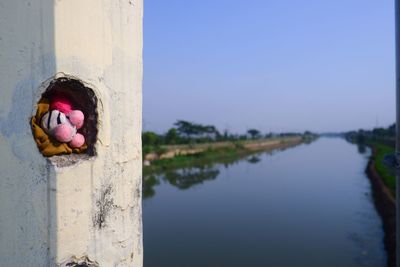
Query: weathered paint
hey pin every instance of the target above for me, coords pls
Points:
(92, 209)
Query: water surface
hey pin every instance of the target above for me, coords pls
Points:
(306, 206)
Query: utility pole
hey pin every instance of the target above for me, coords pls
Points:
(397, 27)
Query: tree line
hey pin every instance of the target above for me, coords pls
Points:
(384, 135)
(186, 132)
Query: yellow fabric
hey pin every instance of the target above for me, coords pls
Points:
(47, 145)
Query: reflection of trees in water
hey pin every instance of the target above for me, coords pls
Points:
(148, 186)
(253, 160)
(227, 162)
(361, 148)
(182, 179)
(307, 141)
(188, 177)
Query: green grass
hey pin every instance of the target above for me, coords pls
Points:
(386, 173)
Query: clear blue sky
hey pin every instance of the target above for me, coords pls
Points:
(275, 65)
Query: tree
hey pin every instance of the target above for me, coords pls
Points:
(190, 129)
(171, 137)
(268, 135)
(186, 128)
(150, 139)
(254, 133)
(209, 130)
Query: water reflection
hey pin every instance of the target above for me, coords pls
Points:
(312, 203)
(149, 183)
(253, 160)
(185, 178)
(362, 149)
(182, 179)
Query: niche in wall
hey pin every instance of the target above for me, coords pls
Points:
(66, 122)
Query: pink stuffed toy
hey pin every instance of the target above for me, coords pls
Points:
(62, 122)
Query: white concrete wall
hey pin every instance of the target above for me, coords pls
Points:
(47, 214)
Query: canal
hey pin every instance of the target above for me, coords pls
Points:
(310, 205)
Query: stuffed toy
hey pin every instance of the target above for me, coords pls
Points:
(63, 123)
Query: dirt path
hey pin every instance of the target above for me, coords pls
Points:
(262, 144)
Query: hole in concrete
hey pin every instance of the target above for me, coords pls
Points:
(81, 98)
(78, 265)
(81, 262)
(84, 99)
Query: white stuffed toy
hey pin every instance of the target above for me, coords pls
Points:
(62, 122)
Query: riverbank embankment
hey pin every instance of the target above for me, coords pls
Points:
(384, 199)
(179, 156)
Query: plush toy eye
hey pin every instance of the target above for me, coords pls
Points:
(52, 119)
(58, 118)
(61, 118)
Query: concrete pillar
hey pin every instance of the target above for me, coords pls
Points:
(88, 210)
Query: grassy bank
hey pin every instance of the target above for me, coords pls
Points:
(385, 172)
(383, 185)
(217, 154)
(201, 158)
